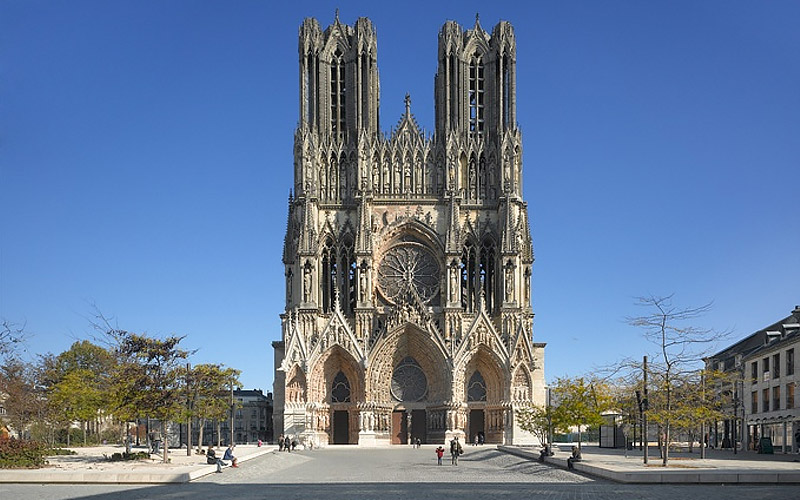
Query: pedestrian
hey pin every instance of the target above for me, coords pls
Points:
(439, 454)
(418, 443)
(230, 456)
(475, 441)
(280, 443)
(575, 457)
(287, 444)
(455, 451)
(294, 444)
(259, 443)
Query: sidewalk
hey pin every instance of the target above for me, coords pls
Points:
(90, 466)
(720, 466)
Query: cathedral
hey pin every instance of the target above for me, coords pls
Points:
(407, 255)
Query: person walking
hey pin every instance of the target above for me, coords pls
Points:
(455, 451)
(287, 444)
(439, 454)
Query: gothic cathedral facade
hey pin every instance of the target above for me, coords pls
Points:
(408, 256)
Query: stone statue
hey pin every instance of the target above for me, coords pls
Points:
(307, 284)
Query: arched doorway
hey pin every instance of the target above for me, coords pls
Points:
(409, 375)
(340, 397)
(484, 389)
(476, 394)
(336, 387)
(409, 388)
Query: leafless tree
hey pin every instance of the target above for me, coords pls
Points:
(681, 347)
(11, 336)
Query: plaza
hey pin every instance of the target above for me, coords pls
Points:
(346, 472)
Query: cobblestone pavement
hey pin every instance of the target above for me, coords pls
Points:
(354, 474)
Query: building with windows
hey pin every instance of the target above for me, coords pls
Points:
(252, 417)
(407, 256)
(760, 392)
(770, 389)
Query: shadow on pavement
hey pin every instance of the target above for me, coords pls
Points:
(438, 491)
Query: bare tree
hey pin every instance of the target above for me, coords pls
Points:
(11, 336)
(681, 347)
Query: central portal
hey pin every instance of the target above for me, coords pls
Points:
(401, 427)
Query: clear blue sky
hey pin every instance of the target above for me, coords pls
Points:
(146, 159)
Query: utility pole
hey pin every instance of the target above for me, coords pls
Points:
(737, 395)
(189, 410)
(645, 405)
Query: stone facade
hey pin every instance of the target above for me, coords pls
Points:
(408, 256)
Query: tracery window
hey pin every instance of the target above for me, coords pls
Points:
(476, 94)
(468, 282)
(488, 274)
(328, 277)
(348, 263)
(340, 390)
(476, 388)
(409, 269)
(337, 93)
(408, 381)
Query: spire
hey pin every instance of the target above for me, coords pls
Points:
(407, 100)
(336, 16)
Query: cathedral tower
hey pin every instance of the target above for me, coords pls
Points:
(408, 257)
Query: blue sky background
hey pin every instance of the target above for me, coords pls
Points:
(146, 159)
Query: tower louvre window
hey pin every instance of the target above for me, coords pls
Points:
(506, 94)
(476, 94)
(337, 93)
(308, 99)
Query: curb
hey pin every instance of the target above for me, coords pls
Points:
(683, 476)
(145, 476)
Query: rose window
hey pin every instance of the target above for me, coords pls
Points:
(406, 269)
(408, 381)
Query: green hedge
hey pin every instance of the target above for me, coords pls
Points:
(16, 453)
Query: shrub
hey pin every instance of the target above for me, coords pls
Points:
(60, 451)
(119, 457)
(17, 453)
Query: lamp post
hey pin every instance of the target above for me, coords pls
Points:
(645, 405)
(233, 406)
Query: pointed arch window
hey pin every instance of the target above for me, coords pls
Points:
(337, 93)
(348, 263)
(340, 390)
(506, 93)
(468, 281)
(476, 94)
(328, 277)
(476, 388)
(488, 274)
